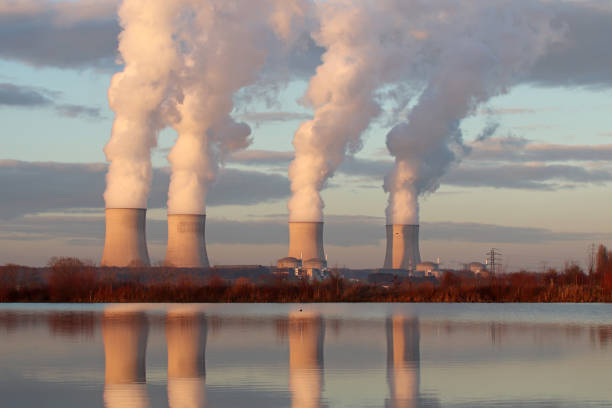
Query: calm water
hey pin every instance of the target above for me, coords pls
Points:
(329, 355)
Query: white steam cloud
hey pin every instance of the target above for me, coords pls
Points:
(184, 61)
(363, 42)
(482, 48)
(136, 94)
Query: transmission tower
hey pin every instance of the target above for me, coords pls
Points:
(494, 259)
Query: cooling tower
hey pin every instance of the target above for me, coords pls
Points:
(403, 361)
(186, 340)
(306, 337)
(306, 240)
(186, 241)
(125, 345)
(125, 242)
(402, 247)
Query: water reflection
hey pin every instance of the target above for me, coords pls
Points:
(403, 360)
(186, 340)
(125, 344)
(53, 357)
(306, 338)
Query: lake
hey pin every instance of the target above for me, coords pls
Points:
(305, 355)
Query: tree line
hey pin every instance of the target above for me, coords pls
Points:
(73, 280)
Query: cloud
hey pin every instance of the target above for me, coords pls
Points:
(508, 162)
(525, 176)
(74, 111)
(259, 117)
(515, 149)
(82, 34)
(13, 95)
(63, 34)
(261, 157)
(584, 56)
(30, 97)
(31, 187)
(506, 111)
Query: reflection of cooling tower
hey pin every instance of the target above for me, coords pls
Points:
(306, 338)
(125, 242)
(306, 240)
(186, 241)
(402, 247)
(186, 339)
(403, 359)
(125, 344)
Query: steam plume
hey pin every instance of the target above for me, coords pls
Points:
(184, 61)
(149, 53)
(226, 50)
(484, 48)
(358, 59)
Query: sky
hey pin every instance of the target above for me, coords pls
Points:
(536, 186)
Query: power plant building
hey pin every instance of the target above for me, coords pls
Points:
(125, 243)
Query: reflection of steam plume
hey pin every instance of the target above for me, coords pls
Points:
(125, 345)
(482, 49)
(306, 337)
(186, 340)
(403, 360)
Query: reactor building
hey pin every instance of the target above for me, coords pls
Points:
(402, 247)
(186, 241)
(305, 247)
(125, 242)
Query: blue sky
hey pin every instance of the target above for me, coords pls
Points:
(538, 189)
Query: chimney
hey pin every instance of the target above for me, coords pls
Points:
(306, 240)
(186, 241)
(402, 247)
(125, 242)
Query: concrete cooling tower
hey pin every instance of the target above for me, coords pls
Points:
(125, 345)
(403, 361)
(306, 338)
(306, 240)
(186, 339)
(186, 241)
(402, 247)
(125, 242)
